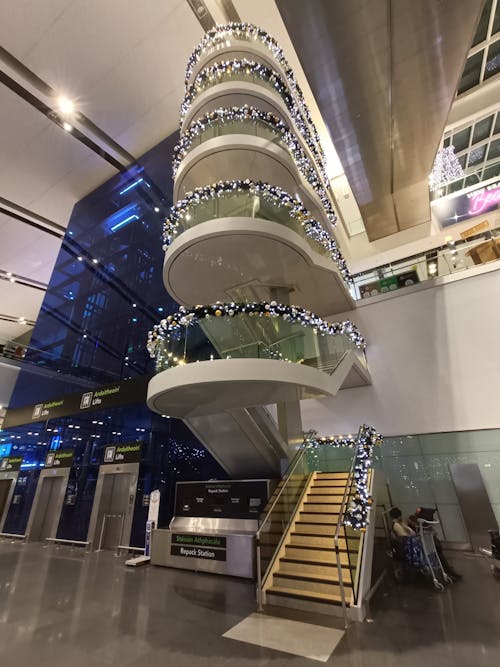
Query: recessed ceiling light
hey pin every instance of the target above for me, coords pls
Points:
(67, 126)
(157, 210)
(12, 280)
(95, 261)
(66, 106)
(80, 258)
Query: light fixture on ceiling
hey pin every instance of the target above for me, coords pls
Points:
(65, 105)
(95, 261)
(80, 258)
(12, 279)
(67, 126)
(432, 268)
(157, 210)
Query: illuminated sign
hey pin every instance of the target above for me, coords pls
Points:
(458, 208)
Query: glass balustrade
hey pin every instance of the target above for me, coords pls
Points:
(450, 259)
(242, 74)
(254, 128)
(245, 205)
(244, 336)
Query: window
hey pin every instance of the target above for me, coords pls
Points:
(482, 28)
(472, 73)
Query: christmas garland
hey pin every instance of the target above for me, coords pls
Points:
(172, 327)
(248, 31)
(356, 515)
(248, 113)
(246, 67)
(273, 194)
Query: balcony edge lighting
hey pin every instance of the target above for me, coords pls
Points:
(274, 194)
(244, 113)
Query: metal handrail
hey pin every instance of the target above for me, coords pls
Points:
(286, 478)
(340, 525)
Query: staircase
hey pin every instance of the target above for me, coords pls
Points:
(305, 573)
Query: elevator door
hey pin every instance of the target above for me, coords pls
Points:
(45, 520)
(113, 508)
(4, 494)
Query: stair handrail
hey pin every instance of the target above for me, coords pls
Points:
(286, 478)
(340, 525)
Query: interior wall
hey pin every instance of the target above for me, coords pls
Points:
(434, 360)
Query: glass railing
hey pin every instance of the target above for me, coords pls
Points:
(444, 261)
(248, 71)
(237, 204)
(254, 128)
(280, 509)
(342, 454)
(250, 335)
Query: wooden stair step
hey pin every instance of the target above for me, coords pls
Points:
(316, 517)
(315, 528)
(315, 597)
(306, 584)
(315, 555)
(324, 498)
(331, 475)
(328, 573)
(322, 508)
(306, 540)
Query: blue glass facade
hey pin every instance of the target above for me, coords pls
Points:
(105, 293)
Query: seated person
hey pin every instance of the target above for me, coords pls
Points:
(400, 528)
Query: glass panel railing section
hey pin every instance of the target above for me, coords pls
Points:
(258, 331)
(250, 127)
(248, 204)
(453, 258)
(279, 512)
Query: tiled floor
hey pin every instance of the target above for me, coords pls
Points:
(60, 607)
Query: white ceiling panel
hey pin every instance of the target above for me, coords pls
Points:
(20, 301)
(26, 251)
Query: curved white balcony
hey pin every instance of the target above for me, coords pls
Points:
(250, 121)
(240, 157)
(246, 73)
(245, 258)
(237, 40)
(209, 361)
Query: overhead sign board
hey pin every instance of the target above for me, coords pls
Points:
(107, 396)
(11, 463)
(60, 458)
(242, 499)
(122, 452)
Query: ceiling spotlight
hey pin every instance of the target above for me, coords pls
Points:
(95, 261)
(8, 274)
(157, 210)
(67, 126)
(80, 258)
(12, 280)
(66, 106)
(22, 319)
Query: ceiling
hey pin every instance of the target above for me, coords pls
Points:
(122, 63)
(384, 73)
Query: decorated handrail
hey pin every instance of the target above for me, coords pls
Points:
(249, 32)
(275, 195)
(244, 114)
(356, 514)
(173, 327)
(250, 68)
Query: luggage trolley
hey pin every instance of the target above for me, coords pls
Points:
(417, 552)
(431, 556)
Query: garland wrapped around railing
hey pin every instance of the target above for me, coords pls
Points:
(357, 512)
(252, 68)
(247, 113)
(271, 193)
(171, 327)
(248, 31)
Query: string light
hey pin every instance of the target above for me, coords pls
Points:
(242, 69)
(446, 168)
(221, 34)
(356, 515)
(244, 115)
(270, 193)
(172, 328)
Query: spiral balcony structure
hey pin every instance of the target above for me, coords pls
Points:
(251, 232)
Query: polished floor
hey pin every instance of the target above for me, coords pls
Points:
(59, 607)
